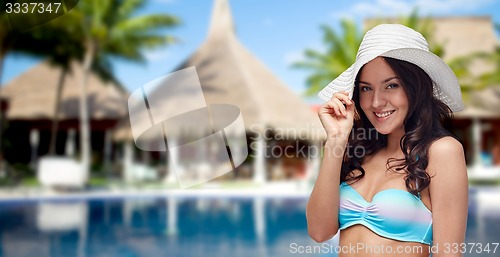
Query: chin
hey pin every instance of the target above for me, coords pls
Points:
(384, 131)
(387, 131)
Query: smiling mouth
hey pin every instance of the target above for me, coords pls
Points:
(383, 114)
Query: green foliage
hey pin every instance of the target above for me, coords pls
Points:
(30, 182)
(112, 25)
(98, 181)
(115, 29)
(17, 173)
(340, 54)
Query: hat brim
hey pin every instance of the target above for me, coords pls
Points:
(446, 87)
(343, 83)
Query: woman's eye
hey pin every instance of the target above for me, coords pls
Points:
(364, 88)
(392, 85)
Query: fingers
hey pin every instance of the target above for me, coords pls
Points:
(344, 97)
(350, 109)
(339, 107)
(338, 103)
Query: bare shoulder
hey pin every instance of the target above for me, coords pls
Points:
(445, 146)
(446, 156)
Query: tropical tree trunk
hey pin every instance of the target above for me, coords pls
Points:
(84, 115)
(55, 121)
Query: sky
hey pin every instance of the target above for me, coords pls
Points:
(276, 31)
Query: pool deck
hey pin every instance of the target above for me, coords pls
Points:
(233, 189)
(210, 190)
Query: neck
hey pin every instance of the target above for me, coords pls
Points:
(393, 141)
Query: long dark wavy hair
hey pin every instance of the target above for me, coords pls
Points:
(427, 120)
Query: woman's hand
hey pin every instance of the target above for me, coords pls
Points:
(337, 115)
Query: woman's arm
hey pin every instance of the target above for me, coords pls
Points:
(449, 194)
(323, 206)
(337, 117)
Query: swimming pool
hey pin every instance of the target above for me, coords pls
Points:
(179, 226)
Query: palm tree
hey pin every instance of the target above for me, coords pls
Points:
(22, 41)
(339, 55)
(111, 29)
(60, 48)
(15, 32)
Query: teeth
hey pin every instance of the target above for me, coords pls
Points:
(383, 114)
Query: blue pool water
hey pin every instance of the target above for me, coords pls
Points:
(163, 226)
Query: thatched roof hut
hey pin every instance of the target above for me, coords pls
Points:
(32, 95)
(230, 74)
(31, 99)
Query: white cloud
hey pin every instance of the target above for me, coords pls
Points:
(383, 6)
(372, 8)
(293, 57)
(157, 54)
(397, 7)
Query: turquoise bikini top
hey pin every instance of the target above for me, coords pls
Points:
(393, 213)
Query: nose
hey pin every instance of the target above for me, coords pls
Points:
(379, 99)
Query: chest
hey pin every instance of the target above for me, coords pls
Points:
(382, 175)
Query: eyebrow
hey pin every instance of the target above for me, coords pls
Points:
(384, 81)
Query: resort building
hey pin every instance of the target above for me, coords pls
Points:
(31, 112)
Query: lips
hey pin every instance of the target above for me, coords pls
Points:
(383, 114)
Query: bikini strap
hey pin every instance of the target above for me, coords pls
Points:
(416, 184)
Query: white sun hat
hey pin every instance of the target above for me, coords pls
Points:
(403, 43)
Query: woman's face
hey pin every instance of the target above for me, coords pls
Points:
(382, 97)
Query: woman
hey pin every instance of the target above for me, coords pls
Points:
(392, 179)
